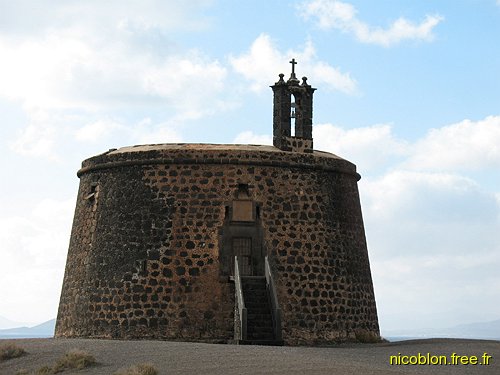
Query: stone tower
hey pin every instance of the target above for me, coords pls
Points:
(221, 243)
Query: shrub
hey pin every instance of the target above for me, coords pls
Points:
(45, 370)
(140, 369)
(8, 351)
(366, 337)
(74, 359)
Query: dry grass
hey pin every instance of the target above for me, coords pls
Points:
(8, 351)
(45, 370)
(367, 337)
(73, 360)
(140, 369)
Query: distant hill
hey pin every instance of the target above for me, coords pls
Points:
(480, 330)
(7, 323)
(42, 330)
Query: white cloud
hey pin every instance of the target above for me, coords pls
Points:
(97, 130)
(461, 147)
(467, 145)
(369, 147)
(38, 139)
(52, 137)
(248, 137)
(432, 239)
(332, 77)
(34, 71)
(430, 291)
(23, 16)
(67, 72)
(342, 16)
(146, 132)
(330, 13)
(143, 132)
(261, 62)
(33, 257)
(95, 58)
(429, 197)
(190, 83)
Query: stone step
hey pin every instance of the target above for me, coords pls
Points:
(260, 331)
(260, 336)
(259, 326)
(262, 317)
(250, 294)
(253, 282)
(258, 308)
(246, 281)
(254, 288)
(262, 328)
(260, 301)
(267, 321)
(260, 342)
(258, 291)
(257, 303)
(250, 283)
(253, 278)
(251, 297)
(259, 318)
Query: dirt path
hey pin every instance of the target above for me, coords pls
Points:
(206, 359)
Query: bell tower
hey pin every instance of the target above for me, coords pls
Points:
(284, 110)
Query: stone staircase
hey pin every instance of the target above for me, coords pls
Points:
(259, 319)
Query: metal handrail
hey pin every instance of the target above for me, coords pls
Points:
(275, 307)
(241, 302)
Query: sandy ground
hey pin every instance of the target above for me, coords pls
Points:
(196, 358)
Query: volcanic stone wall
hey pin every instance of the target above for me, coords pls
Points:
(144, 256)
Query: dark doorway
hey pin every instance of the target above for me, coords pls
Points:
(241, 236)
(242, 248)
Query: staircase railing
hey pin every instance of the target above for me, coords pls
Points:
(275, 307)
(240, 302)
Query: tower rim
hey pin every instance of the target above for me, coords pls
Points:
(222, 154)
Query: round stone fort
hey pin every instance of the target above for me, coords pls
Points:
(247, 244)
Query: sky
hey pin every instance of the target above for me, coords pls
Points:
(407, 90)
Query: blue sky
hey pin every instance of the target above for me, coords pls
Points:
(407, 90)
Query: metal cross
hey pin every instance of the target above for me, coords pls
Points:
(293, 62)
